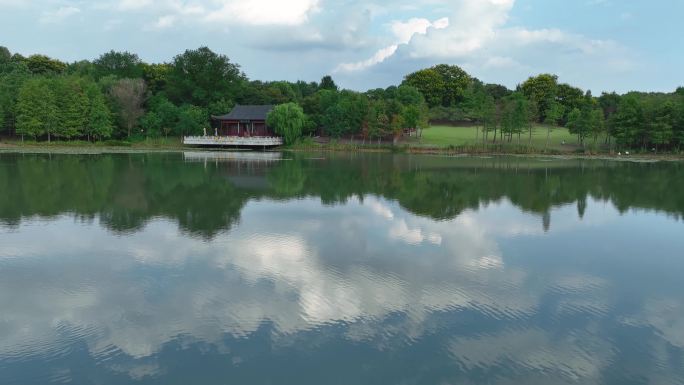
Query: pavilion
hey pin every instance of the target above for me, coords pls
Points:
(244, 126)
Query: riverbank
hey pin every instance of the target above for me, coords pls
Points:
(160, 144)
(175, 145)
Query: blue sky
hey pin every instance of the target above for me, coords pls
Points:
(602, 45)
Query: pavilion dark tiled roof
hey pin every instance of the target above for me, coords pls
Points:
(247, 113)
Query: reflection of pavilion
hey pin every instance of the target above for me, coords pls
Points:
(244, 169)
(231, 156)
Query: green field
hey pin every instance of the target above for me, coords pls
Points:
(460, 136)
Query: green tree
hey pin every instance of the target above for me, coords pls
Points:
(128, 96)
(541, 90)
(220, 107)
(98, 118)
(41, 65)
(162, 118)
(553, 114)
(415, 117)
(72, 107)
(678, 121)
(661, 125)
(200, 76)
(156, 76)
(627, 121)
(191, 120)
(12, 77)
(430, 83)
(343, 113)
(598, 123)
(5, 55)
(120, 64)
(441, 85)
(515, 116)
(574, 123)
(409, 96)
(327, 83)
(36, 109)
(288, 120)
(569, 97)
(488, 117)
(456, 81)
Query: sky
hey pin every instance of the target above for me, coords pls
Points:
(601, 45)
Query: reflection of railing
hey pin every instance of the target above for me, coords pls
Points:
(229, 156)
(232, 141)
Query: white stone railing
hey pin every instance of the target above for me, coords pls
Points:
(232, 141)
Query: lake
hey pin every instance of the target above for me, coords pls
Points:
(278, 268)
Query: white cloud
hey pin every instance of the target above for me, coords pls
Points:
(264, 12)
(59, 15)
(163, 22)
(404, 32)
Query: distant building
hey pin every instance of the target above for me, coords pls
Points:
(244, 126)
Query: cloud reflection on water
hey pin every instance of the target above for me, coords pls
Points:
(301, 267)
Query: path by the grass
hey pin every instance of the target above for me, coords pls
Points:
(443, 136)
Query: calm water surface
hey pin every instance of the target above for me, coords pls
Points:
(216, 268)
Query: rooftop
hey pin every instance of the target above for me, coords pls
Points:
(253, 112)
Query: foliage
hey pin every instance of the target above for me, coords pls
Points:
(191, 120)
(36, 109)
(288, 120)
(128, 96)
(201, 77)
(120, 64)
(43, 65)
(542, 90)
(442, 84)
(327, 83)
(98, 117)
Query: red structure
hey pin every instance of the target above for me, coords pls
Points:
(245, 121)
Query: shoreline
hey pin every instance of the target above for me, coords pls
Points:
(97, 148)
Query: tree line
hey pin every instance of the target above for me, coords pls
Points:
(119, 96)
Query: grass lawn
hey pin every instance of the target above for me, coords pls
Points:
(459, 136)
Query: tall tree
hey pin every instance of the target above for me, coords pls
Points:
(11, 80)
(456, 81)
(36, 109)
(201, 76)
(98, 118)
(430, 83)
(72, 107)
(5, 55)
(661, 125)
(554, 113)
(327, 83)
(569, 97)
(542, 90)
(128, 96)
(627, 121)
(598, 123)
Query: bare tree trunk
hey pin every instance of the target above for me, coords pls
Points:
(548, 135)
(529, 142)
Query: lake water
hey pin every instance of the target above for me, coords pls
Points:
(267, 268)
